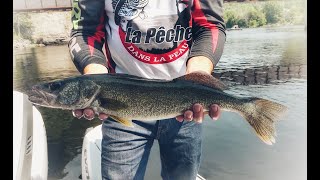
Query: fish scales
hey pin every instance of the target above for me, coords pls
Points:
(126, 97)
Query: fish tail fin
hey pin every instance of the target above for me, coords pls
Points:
(262, 115)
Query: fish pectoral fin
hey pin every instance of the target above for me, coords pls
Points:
(126, 122)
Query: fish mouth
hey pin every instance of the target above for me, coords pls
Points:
(40, 97)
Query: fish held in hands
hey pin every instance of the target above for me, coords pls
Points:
(125, 97)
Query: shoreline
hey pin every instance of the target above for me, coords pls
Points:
(19, 44)
(37, 29)
(52, 28)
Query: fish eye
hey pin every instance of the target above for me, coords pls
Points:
(54, 86)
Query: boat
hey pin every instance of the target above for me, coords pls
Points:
(30, 155)
(235, 27)
(91, 153)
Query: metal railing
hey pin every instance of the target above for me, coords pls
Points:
(41, 5)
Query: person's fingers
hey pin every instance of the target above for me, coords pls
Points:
(88, 114)
(78, 113)
(197, 112)
(180, 118)
(214, 112)
(103, 116)
(188, 115)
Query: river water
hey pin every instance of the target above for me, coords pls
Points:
(265, 62)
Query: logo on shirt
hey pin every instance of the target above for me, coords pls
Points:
(153, 39)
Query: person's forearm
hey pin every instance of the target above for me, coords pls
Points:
(208, 30)
(95, 69)
(87, 35)
(199, 63)
(83, 54)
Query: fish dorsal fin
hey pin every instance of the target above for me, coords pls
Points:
(126, 122)
(204, 79)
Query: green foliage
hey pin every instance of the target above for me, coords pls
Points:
(242, 23)
(249, 17)
(256, 18)
(272, 11)
(260, 13)
(231, 18)
(294, 14)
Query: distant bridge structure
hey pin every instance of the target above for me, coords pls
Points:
(45, 5)
(41, 5)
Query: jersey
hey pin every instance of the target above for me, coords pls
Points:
(146, 38)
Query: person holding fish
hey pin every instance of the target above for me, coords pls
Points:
(158, 39)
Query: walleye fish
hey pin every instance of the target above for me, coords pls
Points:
(126, 97)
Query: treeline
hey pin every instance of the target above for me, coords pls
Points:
(260, 13)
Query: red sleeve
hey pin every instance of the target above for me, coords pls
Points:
(208, 29)
(88, 33)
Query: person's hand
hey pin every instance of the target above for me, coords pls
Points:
(88, 113)
(197, 113)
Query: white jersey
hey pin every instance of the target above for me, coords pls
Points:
(146, 38)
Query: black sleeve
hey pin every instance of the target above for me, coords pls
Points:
(88, 33)
(208, 29)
